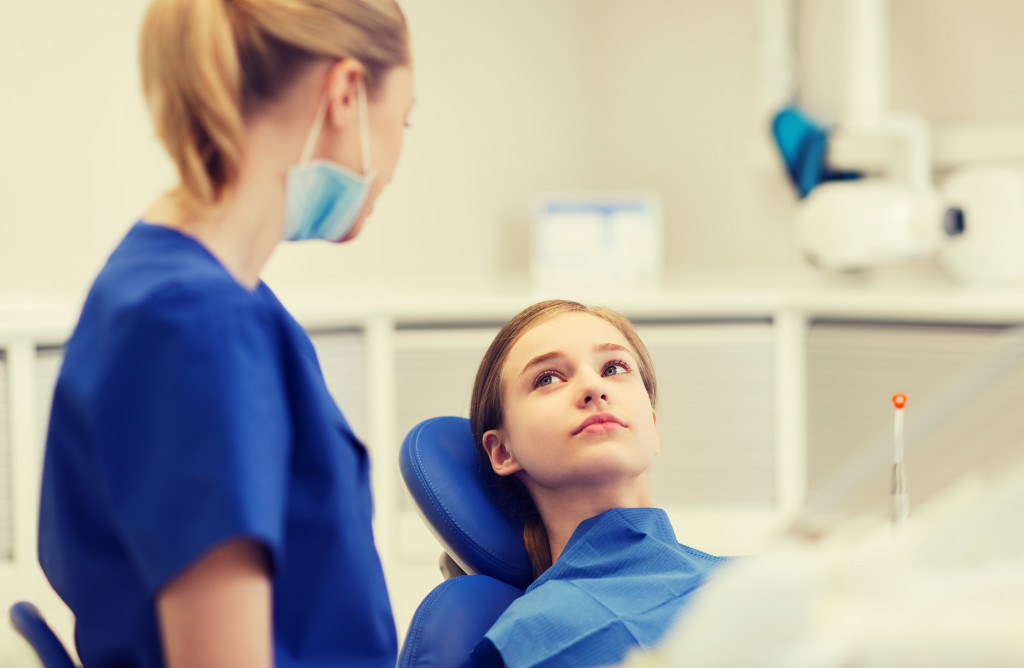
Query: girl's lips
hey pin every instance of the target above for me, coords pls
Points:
(600, 427)
(599, 423)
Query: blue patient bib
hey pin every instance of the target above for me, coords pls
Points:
(620, 583)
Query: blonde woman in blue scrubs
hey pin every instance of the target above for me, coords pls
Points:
(204, 501)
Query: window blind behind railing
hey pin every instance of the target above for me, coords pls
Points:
(715, 414)
(342, 356)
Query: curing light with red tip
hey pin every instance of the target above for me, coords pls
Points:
(900, 499)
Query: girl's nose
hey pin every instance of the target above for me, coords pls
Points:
(593, 390)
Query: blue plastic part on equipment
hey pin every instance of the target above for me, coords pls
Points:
(440, 466)
(28, 622)
(803, 145)
(452, 620)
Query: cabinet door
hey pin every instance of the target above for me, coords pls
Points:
(48, 361)
(6, 491)
(964, 387)
(715, 414)
(435, 370)
(26, 393)
(22, 511)
(342, 356)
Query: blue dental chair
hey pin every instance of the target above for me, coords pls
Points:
(439, 465)
(29, 623)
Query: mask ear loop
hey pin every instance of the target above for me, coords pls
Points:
(364, 127)
(318, 121)
(314, 132)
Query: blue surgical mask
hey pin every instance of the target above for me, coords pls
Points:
(322, 198)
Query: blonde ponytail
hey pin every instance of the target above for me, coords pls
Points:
(191, 81)
(207, 64)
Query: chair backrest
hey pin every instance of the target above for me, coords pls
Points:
(29, 622)
(460, 504)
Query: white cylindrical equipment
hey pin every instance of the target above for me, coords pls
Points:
(900, 497)
(984, 224)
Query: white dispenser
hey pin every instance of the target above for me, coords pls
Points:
(985, 225)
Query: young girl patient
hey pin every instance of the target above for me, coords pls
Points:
(563, 412)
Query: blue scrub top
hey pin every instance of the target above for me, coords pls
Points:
(189, 411)
(620, 582)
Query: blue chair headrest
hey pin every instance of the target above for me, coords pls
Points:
(460, 503)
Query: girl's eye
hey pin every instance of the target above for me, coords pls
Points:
(546, 378)
(615, 368)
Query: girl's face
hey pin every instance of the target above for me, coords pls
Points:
(576, 412)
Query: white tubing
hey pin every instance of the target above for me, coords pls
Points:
(777, 61)
(867, 63)
(866, 107)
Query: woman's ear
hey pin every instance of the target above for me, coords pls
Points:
(343, 89)
(502, 460)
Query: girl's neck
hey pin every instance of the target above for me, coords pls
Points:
(563, 510)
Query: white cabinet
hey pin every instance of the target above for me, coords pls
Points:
(765, 398)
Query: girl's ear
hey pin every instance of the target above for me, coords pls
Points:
(502, 460)
(657, 449)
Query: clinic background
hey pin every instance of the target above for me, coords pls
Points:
(516, 101)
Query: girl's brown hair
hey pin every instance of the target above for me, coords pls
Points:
(485, 412)
(207, 64)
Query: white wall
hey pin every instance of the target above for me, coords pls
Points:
(501, 96)
(77, 158)
(675, 96)
(952, 60)
(500, 115)
(515, 99)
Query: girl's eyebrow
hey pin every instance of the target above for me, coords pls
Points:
(612, 347)
(540, 359)
(557, 354)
